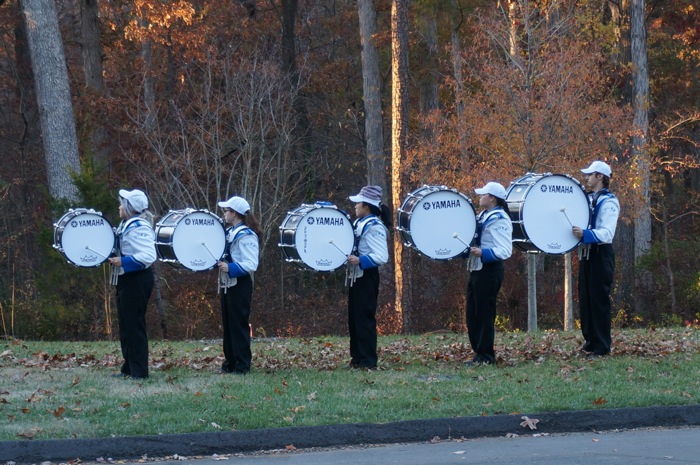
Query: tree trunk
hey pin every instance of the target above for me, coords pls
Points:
(53, 97)
(457, 69)
(428, 83)
(667, 258)
(531, 292)
(399, 140)
(92, 70)
(289, 52)
(91, 48)
(371, 89)
(26, 98)
(149, 92)
(640, 144)
(624, 291)
(568, 293)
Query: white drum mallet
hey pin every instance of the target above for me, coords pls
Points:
(456, 236)
(210, 253)
(563, 210)
(336, 246)
(87, 247)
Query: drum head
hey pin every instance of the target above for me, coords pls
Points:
(323, 238)
(84, 237)
(197, 238)
(438, 221)
(552, 204)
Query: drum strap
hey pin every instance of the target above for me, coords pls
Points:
(596, 200)
(121, 230)
(225, 281)
(352, 272)
(485, 217)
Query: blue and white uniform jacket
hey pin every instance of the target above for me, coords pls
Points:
(371, 244)
(242, 252)
(495, 237)
(605, 210)
(136, 245)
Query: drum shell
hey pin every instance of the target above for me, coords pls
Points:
(438, 241)
(543, 226)
(165, 230)
(190, 253)
(288, 233)
(99, 237)
(317, 237)
(516, 203)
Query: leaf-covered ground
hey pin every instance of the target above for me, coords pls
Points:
(63, 389)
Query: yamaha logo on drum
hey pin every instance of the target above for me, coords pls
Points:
(87, 223)
(326, 221)
(442, 204)
(199, 221)
(556, 189)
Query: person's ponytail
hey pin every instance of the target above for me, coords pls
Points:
(382, 211)
(503, 204)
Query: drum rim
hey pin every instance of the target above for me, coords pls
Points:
(402, 214)
(517, 217)
(176, 262)
(60, 228)
(302, 211)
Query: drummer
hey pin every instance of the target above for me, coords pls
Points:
(371, 251)
(236, 282)
(597, 265)
(132, 274)
(494, 246)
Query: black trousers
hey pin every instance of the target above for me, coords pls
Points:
(594, 287)
(235, 316)
(362, 319)
(133, 291)
(482, 292)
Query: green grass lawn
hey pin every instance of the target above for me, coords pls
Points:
(63, 389)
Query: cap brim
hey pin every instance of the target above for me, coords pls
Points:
(362, 198)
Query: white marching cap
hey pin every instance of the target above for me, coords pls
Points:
(598, 167)
(238, 204)
(136, 198)
(494, 189)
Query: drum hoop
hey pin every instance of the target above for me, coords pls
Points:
(406, 233)
(168, 224)
(520, 203)
(60, 228)
(289, 249)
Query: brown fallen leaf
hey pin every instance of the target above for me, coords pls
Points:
(30, 434)
(600, 401)
(529, 422)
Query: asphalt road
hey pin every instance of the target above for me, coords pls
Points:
(635, 447)
(677, 436)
